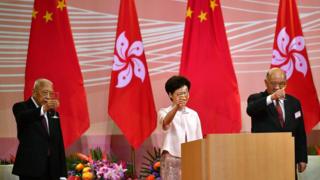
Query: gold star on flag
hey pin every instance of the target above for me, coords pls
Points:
(34, 14)
(202, 16)
(48, 16)
(61, 5)
(189, 12)
(213, 4)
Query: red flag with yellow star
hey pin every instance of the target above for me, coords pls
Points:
(206, 61)
(52, 55)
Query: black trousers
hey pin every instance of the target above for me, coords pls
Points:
(45, 176)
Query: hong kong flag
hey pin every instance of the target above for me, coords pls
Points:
(131, 103)
(290, 54)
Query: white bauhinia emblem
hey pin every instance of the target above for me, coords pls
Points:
(127, 61)
(289, 57)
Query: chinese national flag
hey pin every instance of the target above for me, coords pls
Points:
(131, 103)
(52, 55)
(290, 54)
(206, 61)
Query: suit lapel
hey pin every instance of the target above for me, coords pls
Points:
(272, 110)
(44, 130)
(51, 124)
(274, 113)
(31, 105)
(287, 107)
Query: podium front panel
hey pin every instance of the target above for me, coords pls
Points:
(258, 156)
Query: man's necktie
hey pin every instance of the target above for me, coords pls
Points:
(44, 123)
(280, 113)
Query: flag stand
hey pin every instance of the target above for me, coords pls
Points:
(133, 159)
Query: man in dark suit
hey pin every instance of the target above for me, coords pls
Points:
(40, 155)
(275, 111)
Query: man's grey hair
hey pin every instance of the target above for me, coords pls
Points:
(40, 82)
(274, 69)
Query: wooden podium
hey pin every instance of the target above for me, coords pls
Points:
(257, 156)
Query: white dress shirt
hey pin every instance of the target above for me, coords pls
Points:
(281, 103)
(184, 127)
(42, 113)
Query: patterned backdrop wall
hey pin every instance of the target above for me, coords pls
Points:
(250, 28)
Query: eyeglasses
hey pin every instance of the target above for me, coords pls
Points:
(280, 84)
(46, 93)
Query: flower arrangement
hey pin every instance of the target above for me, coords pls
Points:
(109, 170)
(95, 166)
(150, 169)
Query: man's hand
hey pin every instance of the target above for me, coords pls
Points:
(279, 94)
(302, 166)
(51, 104)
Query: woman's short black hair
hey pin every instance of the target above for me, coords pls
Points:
(176, 82)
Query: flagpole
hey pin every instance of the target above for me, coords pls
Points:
(133, 159)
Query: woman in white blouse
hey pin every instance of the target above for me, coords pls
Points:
(179, 124)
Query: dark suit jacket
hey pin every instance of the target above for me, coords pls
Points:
(264, 119)
(32, 155)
